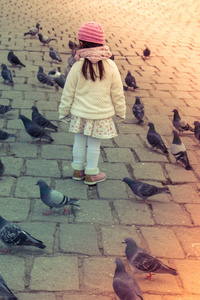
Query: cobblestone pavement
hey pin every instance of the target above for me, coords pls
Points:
(78, 262)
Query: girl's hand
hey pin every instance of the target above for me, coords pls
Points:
(65, 119)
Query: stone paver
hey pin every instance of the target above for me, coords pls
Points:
(78, 262)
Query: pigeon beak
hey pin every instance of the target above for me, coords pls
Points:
(123, 242)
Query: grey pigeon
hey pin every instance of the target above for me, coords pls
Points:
(45, 39)
(144, 190)
(197, 131)
(138, 110)
(6, 75)
(43, 78)
(142, 261)
(155, 139)
(5, 291)
(130, 81)
(71, 60)
(12, 235)
(54, 55)
(57, 77)
(34, 130)
(179, 151)
(33, 31)
(14, 60)
(41, 120)
(146, 52)
(5, 135)
(179, 123)
(2, 168)
(72, 45)
(4, 109)
(54, 198)
(125, 285)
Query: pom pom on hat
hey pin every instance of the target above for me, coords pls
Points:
(91, 32)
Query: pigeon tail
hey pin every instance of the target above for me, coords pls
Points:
(164, 190)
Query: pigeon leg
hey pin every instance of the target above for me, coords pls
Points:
(65, 211)
(46, 213)
(149, 276)
(5, 250)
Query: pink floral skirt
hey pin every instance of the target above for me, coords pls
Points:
(102, 129)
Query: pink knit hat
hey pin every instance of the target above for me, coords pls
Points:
(91, 32)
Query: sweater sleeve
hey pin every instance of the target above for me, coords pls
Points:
(68, 92)
(117, 94)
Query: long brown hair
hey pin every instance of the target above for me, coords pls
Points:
(87, 65)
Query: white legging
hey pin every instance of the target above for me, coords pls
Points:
(92, 157)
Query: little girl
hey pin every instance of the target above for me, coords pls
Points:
(92, 94)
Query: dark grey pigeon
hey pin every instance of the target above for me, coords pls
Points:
(54, 55)
(45, 39)
(6, 75)
(35, 131)
(54, 198)
(4, 109)
(144, 190)
(2, 168)
(197, 131)
(14, 60)
(130, 81)
(179, 123)
(57, 77)
(142, 261)
(179, 151)
(12, 235)
(33, 31)
(138, 110)
(146, 52)
(5, 291)
(155, 139)
(43, 78)
(41, 120)
(71, 60)
(124, 284)
(5, 135)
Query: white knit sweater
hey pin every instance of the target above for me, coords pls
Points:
(89, 99)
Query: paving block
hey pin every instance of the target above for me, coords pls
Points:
(77, 238)
(194, 211)
(130, 140)
(158, 237)
(184, 193)
(94, 211)
(170, 214)
(42, 167)
(132, 213)
(130, 128)
(149, 155)
(72, 188)
(13, 266)
(92, 267)
(178, 174)
(6, 186)
(148, 171)
(14, 209)
(24, 150)
(190, 241)
(123, 155)
(26, 187)
(36, 296)
(56, 152)
(55, 273)
(188, 270)
(114, 170)
(12, 166)
(67, 296)
(113, 236)
(112, 189)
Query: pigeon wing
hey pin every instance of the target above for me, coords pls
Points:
(146, 190)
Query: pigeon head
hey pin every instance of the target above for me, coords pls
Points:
(137, 100)
(37, 25)
(176, 139)
(131, 246)
(129, 73)
(41, 183)
(176, 115)
(119, 265)
(40, 69)
(34, 108)
(3, 67)
(151, 126)
(196, 123)
(50, 49)
(128, 180)
(24, 119)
